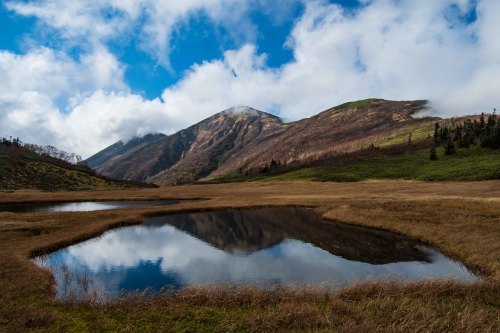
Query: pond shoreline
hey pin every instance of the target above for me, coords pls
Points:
(418, 210)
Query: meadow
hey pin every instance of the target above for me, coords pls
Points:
(472, 164)
(462, 219)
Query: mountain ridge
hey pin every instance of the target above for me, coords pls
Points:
(242, 140)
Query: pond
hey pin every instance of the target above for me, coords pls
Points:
(87, 206)
(261, 247)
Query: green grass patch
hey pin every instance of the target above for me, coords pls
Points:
(419, 133)
(5, 164)
(470, 164)
(356, 104)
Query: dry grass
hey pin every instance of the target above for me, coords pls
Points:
(462, 219)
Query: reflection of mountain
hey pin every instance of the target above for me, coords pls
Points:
(231, 231)
(195, 249)
(247, 231)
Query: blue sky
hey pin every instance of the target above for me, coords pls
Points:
(194, 40)
(83, 74)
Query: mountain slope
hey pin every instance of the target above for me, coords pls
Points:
(217, 140)
(21, 168)
(194, 152)
(98, 160)
(343, 129)
(239, 141)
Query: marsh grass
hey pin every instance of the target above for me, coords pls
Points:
(460, 219)
(427, 306)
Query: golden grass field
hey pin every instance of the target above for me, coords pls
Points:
(461, 219)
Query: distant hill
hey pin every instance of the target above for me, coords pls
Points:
(120, 148)
(22, 168)
(243, 140)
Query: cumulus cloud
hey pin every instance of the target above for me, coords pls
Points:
(389, 49)
(394, 50)
(41, 92)
(93, 22)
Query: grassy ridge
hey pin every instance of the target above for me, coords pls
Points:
(474, 163)
(23, 169)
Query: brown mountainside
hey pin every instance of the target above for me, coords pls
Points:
(195, 152)
(343, 129)
(242, 139)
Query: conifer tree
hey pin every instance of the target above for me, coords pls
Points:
(450, 147)
(482, 123)
(436, 132)
(433, 155)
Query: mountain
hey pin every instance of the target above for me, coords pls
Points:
(22, 168)
(343, 129)
(242, 140)
(120, 148)
(195, 152)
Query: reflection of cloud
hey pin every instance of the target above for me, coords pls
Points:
(129, 246)
(117, 254)
(172, 255)
(81, 206)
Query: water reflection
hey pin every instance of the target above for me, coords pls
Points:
(80, 206)
(262, 246)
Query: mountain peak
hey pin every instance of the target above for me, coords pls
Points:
(241, 109)
(243, 112)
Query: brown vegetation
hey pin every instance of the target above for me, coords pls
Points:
(461, 219)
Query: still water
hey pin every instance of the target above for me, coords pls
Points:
(269, 246)
(80, 206)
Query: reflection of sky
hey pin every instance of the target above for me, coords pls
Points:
(140, 257)
(81, 206)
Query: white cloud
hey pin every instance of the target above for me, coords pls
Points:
(33, 84)
(93, 22)
(390, 49)
(106, 117)
(395, 50)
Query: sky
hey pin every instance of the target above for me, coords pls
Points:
(83, 74)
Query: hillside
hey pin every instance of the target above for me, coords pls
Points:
(120, 148)
(195, 152)
(474, 163)
(21, 168)
(341, 130)
(244, 140)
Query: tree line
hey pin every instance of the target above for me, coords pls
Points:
(467, 133)
(48, 150)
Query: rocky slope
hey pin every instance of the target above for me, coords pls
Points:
(120, 148)
(194, 152)
(344, 129)
(246, 140)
